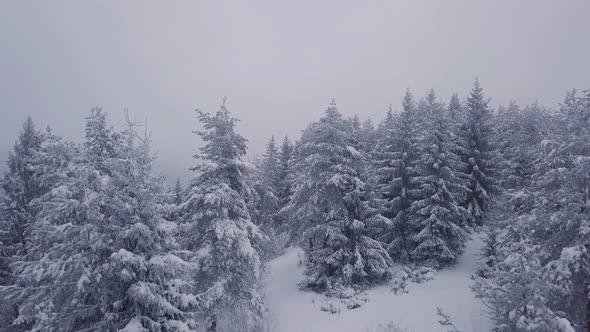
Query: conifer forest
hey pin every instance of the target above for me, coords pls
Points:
(295, 166)
(94, 240)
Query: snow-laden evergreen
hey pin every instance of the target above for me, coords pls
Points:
(267, 185)
(455, 108)
(91, 240)
(395, 168)
(22, 185)
(217, 223)
(367, 137)
(285, 159)
(333, 204)
(178, 192)
(436, 218)
(537, 281)
(99, 255)
(476, 133)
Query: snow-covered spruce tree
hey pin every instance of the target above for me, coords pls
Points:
(178, 192)
(386, 124)
(267, 185)
(477, 153)
(172, 201)
(8, 310)
(285, 158)
(435, 218)
(517, 130)
(99, 136)
(21, 185)
(7, 245)
(99, 255)
(368, 137)
(43, 171)
(281, 233)
(144, 284)
(30, 174)
(455, 108)
(57, 255)
(546, 238)
(333, 205)
(217, 221)
(394, 158)
(520, 296)
(457, 114)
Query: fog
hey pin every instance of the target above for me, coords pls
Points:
(279, 63)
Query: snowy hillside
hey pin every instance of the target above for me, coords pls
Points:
(293, 310)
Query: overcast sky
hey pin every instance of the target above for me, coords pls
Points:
(278, 62)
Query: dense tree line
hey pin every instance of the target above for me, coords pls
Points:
(91, 238)
(535, 272)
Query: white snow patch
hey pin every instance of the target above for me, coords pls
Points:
(293, 310)
(564, 325)
(134, 325)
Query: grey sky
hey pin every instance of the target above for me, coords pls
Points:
(278, 62)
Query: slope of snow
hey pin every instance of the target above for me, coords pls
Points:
(293, 310)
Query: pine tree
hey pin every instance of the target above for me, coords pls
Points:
(386, 124)
(333, 203)
(100, 142)
(286, 155)
(520, 296)
(7, 255)
(40, 165)
(368, 137)
(218, 225)
(267, 186)
(395, 157)
(455, 108)
(542, 248)
(8, 247)
(435, 218)
(100, 253)
(356, 125)
(20, 183)
(143, 284)
(517, 130)
(285, 158)
(477, 154)
(178, 192)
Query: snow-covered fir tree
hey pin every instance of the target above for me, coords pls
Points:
(7, 239)
(42, 163)
(435, 218)
(21, 184)
(285, 158)
(178, 192)
(172, 201)
(91, 241)
(267, 185)
(455, 108)
(144, 284)
(332, 203)
(217, 222)
(516, 131)
(395, 160)
(476, 133)
(368, 137)
(542, 264)
(99, 255)
(99, 136)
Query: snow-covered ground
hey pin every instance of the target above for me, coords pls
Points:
(293, 310)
